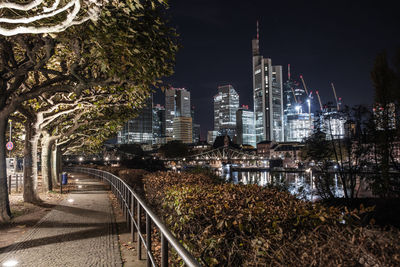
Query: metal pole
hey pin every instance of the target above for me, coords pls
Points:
(133, 218)
(127, 206)
(139, 241)
(16, 182)
(148, 239)
(164, 251)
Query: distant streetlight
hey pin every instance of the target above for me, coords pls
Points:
(10, 263)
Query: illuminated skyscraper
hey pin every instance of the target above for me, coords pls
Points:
(333, 124)
(268, 97)
(177, 104)
(298, 125)
(226, 103)
(158, 124)
(196, 132)
(139, 130)
(245, 127)
(183, 129)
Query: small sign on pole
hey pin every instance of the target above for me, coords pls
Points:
(9, 146)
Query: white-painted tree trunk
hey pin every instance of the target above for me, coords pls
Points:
(55, 165)
(47, 184)
(5, 213)
(30, 165)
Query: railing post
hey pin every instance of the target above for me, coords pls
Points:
(139, 240)
(148, 239)
(127, 205)
(164, 251)
(133, 231)
(123, 200)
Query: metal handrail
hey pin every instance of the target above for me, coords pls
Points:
(128, 199)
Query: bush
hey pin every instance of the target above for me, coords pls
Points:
(134, 178)
(247, 225)
(156, 184)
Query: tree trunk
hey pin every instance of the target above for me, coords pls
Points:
(59, 161)
(45, 155)
(53, 161)
(30, 163)
(5, 212)
(55, 166)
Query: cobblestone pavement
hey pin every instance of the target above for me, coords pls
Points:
(79, 232)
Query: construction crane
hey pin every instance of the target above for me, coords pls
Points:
(291, 87)
(309, 110)
(334, 92)
(319, 99)
(304, 84)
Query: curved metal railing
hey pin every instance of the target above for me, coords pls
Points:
(132, 206)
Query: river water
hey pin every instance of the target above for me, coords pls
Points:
(301, 184)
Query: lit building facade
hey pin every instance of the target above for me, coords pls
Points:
(268, 97)
(333, 124)
(158, 124)
(226, 103)
(298, 126)
(139, 130)
(196, 132)
(177, 104)
(245, 129)
(183, 129)
(385, 116)
(211, 136)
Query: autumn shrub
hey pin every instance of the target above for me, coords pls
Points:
(248, 225)
(156, 184)
(134, 178)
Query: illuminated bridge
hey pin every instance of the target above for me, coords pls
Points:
(218, 157)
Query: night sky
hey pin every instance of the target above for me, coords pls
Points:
(325, 41)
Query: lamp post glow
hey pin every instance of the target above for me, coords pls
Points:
(10, 263)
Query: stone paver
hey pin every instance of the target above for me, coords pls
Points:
(81, 231)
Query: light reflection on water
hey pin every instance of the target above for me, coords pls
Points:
(297, 183)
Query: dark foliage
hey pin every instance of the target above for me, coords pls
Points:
(174, 149)
(247, 225)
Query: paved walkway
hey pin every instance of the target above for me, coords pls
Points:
(80, 231)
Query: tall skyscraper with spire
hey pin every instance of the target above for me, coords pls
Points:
(268, 96)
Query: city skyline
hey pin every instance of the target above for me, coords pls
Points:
(340, 49)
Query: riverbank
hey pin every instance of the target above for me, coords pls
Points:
(248, 225)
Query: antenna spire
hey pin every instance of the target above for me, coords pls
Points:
(258, 35)
(288, 72)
